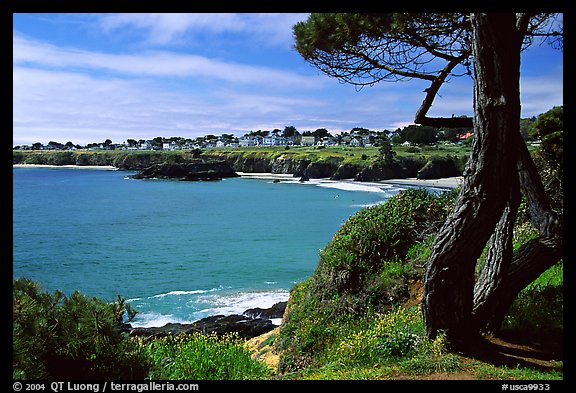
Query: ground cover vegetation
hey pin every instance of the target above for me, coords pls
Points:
(362, 156)
(365, 49)
(486, 262)
(356, 317)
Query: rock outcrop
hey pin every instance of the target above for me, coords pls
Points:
(346, 171)
(401, 169)
(438, 169)
(191, 171)
(276, 311)
(251, 323)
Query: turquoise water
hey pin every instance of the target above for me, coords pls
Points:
(179, 251)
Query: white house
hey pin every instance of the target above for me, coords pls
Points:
(308, 141)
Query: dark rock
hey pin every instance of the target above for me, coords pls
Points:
(191, 171)
(320, 170)
(401, 169)
(276, 311)
(346, 171)
(170, 329)
(301, 167)
(252, 323)
(220, 325)
(438, 168)
(244, 326)
(251, 164)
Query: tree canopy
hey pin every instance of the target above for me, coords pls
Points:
(365, 49)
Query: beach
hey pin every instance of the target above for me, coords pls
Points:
(448, 182)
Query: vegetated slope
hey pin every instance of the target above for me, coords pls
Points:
(366, 269)
(362, 164)
(357, 316)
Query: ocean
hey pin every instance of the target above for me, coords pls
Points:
(177, 251)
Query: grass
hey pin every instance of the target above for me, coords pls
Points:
(338, 327)
(351, 318)
(361, 156)
(206, 357)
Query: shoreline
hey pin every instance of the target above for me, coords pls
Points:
(447, 182)
(91, 167)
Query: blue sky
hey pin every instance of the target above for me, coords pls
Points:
(89, 77)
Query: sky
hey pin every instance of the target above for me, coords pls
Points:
(86, 78)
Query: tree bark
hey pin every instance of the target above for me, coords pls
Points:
(490, 181)
(494, 294)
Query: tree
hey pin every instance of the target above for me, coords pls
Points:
(289, 132)
(364, 49)
(419, 134)
(321, 133)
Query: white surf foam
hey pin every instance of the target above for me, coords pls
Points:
(205, 303)
(239, 302)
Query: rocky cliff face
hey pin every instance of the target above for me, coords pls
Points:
(437, 169)
(401, 169)
(194, 171)
(255, 162)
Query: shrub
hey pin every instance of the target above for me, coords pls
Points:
(200, 356)
(539, 308)
(395, 334)
(367, 256)
(58, 337)
(363, 270)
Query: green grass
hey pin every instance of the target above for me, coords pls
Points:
(362, 156)
(347, 321)
(203, 357)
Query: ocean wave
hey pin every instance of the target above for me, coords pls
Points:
(203, 303)
(175, 293)
(154, 319)
(347, 186)
(183, 293)
(237, 303)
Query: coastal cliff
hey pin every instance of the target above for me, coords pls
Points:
(191, 171)
(299, 163)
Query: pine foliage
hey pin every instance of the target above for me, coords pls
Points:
(75, 337)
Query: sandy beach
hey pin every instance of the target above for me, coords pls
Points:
(448, 182)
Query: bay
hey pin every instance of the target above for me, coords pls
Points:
(178, 251)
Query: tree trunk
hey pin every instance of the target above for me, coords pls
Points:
(495, 293)
(491, 181)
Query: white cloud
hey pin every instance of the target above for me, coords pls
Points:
(539, 94)
(63, 106)
(175, 28)
(155, 64)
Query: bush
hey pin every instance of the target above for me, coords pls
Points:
(365, 269)
(55, 337)
(200, 356)
(392, 335)
(538, 311)
(368, 253)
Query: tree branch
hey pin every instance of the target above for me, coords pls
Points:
(450, 122)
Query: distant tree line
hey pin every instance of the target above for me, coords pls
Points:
(413, 134)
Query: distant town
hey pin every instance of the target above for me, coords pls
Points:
(356, 137)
